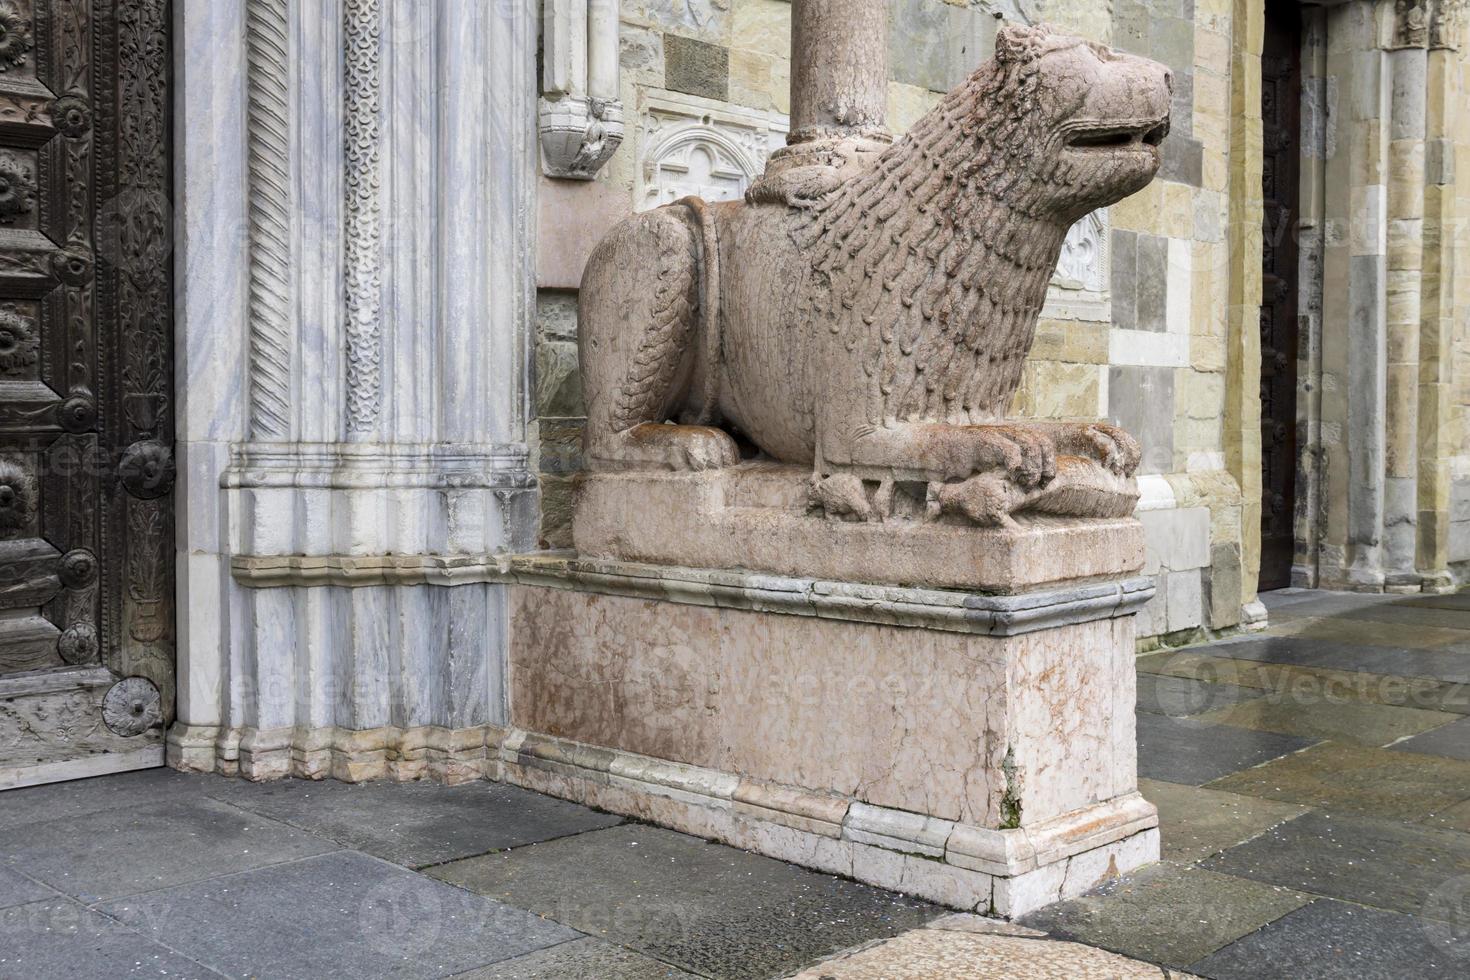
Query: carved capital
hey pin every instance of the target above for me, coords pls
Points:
(579, 135)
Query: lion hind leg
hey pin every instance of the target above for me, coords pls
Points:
(639, 334)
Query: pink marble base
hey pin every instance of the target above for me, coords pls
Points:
(996, 755)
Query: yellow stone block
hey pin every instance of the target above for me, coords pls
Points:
(763, 26)
(1071, 341)
(1051, 390)
(1211, 50)
(753, 80)
(1141, 211)
(907, 104)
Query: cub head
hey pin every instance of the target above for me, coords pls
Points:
(1083, 122)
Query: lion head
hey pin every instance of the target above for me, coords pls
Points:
(1082, 121)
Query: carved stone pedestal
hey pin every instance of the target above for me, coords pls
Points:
(973, 749)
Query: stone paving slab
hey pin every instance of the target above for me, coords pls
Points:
(1314, 716)
(111, 853)
(1412, 617)
(1195, 823)
(581, 959)
(1357, 780)
(1168, 913)
(123, 791)
(1388, 865)
(1182, 750)
(1330, 940)
(1358, 631)
(17, 889)
(62, 940)
(935, 954)
(415, 824)
(1281, 680)
(1182, 697)
(705, 908)
(1453, 818)
(335, 915)
(1301, 651)
(1453, 600)
(1451, 741)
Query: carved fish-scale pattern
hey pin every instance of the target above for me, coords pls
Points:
(655, 366)
(936, 262)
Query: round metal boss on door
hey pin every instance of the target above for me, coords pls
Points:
(78, 568)
(77, 644)
(78, 414)
(147, 470)
(132, 706)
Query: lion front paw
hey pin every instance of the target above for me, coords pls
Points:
(1110, 446)
(1027, 458)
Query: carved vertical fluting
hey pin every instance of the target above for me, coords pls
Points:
(270, 219)
(363, 247)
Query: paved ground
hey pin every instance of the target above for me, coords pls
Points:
(1313, 782)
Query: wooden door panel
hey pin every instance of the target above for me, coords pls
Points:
(86, 424)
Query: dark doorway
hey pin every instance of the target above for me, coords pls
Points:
(86, 388)
(1281, 82)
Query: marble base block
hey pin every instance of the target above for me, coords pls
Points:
(975, 750)
(756, 516)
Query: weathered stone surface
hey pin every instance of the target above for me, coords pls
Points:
(929, 953)
(1195, 823)
(1329, 940)
(708, 909)
(985, 730)
(342, 913)
(1140, 915)
(1383, 863)
(413, 824)
(696, 67)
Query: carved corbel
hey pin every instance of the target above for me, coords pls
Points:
(581, 117)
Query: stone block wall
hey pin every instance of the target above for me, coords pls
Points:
(1136, 327)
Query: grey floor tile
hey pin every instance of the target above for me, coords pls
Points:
(1314, 712)
(1454, 600)
(582, 959)
(706, 908)
(1195, 822)
(17, 889)
(1317, 602)
(416, 824)
(61, 940)
(1302, 651)
(1356, 779)
(1182, 697)
(112, 853)
(121, 791)
(335, 915)
(1329, 940)
(1413, 616)
(1387, 865)
(1451, 741)
(1181, 750)
(1167, 914)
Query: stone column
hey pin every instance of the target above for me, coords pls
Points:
(1408, 65)
(839, 91)
(839, 69)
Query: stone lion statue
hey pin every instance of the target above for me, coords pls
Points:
(872, 322)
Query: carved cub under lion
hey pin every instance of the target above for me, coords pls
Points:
(874, 324)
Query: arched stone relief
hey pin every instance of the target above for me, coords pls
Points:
(692, 146)
(1080, 285)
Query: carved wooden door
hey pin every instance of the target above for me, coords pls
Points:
(1281, 183)
(86, 389)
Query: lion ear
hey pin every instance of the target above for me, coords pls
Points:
(1015, 43)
